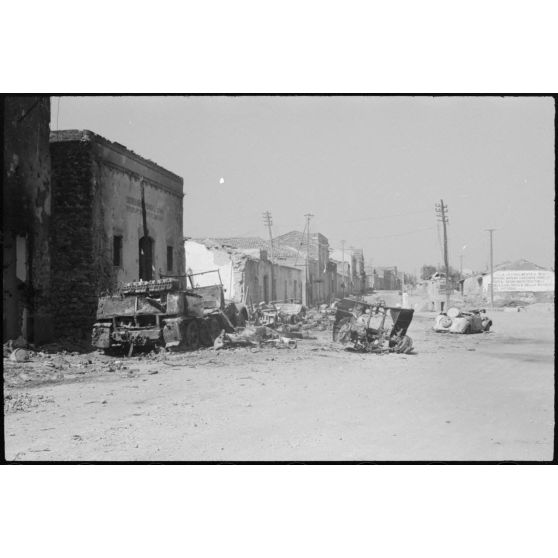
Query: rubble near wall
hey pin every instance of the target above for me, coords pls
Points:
(74, 278)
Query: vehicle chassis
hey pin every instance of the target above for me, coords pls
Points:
(352, 325)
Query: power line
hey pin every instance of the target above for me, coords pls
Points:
(379, 217)
(399, 234)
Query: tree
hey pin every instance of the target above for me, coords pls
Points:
(410, 279)
(426, 271)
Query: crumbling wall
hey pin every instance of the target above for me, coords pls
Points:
(74, 290)
(26, 195)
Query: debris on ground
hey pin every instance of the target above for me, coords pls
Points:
(22, 401)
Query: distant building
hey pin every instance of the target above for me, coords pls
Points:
(518, 280)
(247, 273)
(320, 280)
(351, 269)
(387, 279)
(26, 219)
(116, 217)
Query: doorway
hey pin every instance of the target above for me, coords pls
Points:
(146, 258)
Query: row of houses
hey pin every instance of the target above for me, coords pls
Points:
(290, 267)
(83, 214)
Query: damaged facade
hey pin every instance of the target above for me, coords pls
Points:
(351, 275)
(244, 267)
(513, 281)
(26, 196)
(320, 279)
(116, 218)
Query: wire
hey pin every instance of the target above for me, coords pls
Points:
(389, 216)
(400, 234)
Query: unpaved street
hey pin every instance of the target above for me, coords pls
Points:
(477, 397)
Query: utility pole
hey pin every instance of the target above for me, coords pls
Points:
(441, 211)
(343, 268)
(268, 221)
(308, 285)
(491, 231)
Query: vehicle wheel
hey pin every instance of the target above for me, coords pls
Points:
(205, 335)
(192, 335)
(403, 345)
(337, 326)
(343, 334)
(215, 328)
(445, 322)
(486, 325)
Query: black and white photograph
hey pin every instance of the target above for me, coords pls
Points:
(278, 278)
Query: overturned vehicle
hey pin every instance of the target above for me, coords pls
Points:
(373, 328)
(459, 321)
(160, 313)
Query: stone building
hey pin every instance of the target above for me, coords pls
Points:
(320, 282)
(519, 281)
(26, 197)
(116, 217)
(387, 279)
(351, 276)
(247, 274)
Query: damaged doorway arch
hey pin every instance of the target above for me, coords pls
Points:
(146, 258)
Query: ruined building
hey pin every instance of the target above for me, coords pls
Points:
(320, 277)
(247, 273)
(26, 197)
(116, 217)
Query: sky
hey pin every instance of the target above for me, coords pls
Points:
(369, 169)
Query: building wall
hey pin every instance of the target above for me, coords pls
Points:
(26, 196)
(118, 211)
(200, 259)
(244, 276)
(97, 190)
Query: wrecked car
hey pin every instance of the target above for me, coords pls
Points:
(460, 321)
(275, 314)
(152, 314)
(373, 328)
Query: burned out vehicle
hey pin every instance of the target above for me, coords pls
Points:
(156, 313)
(274, 314)
(373, 328)
(215, 304)
(459, 321)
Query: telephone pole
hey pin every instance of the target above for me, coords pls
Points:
(268, 221)
(441, 212)
(491, 231)
(308, 285)
(343, 268)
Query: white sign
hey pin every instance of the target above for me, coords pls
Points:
(515, 281)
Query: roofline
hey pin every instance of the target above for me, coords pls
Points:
(61, 136)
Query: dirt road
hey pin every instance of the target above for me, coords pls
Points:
(477, 397)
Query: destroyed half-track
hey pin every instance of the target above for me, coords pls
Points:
(157, 313)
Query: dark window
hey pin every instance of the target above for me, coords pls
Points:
(169, 258)
(117, 251)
